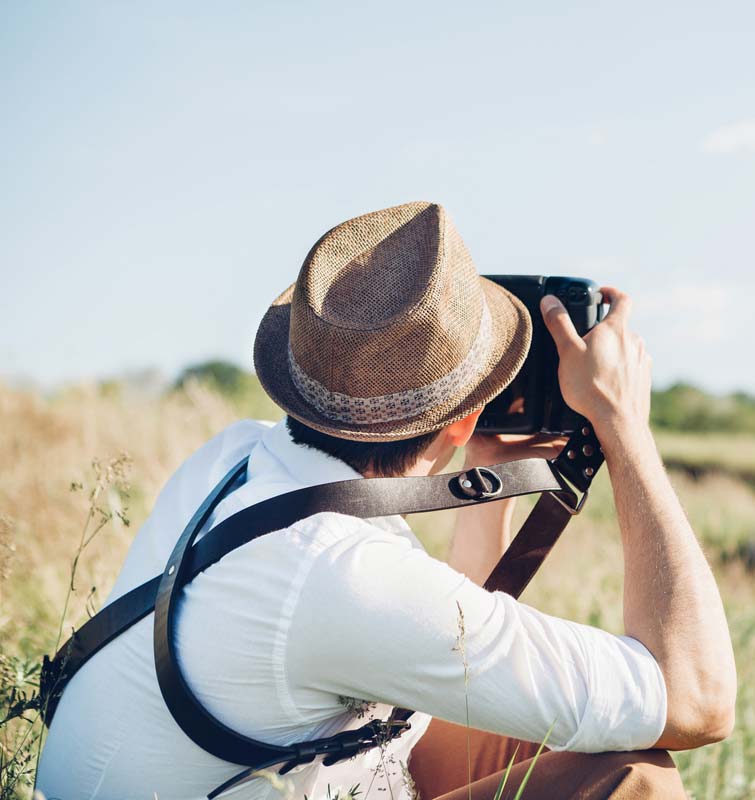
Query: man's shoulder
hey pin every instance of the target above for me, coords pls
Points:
(181, 495)
(230, 445)
(210, 461)
(333, 526)
(343, 548)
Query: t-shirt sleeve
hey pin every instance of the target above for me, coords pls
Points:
(380, 620)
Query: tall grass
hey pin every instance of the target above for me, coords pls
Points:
(46, 444)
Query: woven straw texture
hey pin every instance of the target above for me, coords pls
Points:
(389, 332)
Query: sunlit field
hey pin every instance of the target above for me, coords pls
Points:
(124, 444)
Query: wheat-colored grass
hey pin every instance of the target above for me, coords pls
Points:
(732, 453)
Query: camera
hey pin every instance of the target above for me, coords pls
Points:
(532, 402)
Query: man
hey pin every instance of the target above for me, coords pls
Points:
(383, 355)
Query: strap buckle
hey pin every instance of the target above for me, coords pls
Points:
(372, 734)
(573, 510)
(336, 748)
(566, 497)
(347, 743)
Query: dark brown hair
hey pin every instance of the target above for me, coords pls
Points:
(384, 459)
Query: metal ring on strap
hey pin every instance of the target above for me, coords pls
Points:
(480, 483)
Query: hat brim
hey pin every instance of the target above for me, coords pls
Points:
(512, 334)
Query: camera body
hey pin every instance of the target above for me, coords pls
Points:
(532, 402)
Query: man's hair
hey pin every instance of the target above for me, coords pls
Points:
(383, 459)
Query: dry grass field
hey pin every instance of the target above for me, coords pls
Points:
(78, 450)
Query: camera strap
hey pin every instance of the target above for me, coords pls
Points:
(364, 498)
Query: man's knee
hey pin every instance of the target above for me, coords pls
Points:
(642, 773)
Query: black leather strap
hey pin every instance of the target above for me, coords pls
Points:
(579, 461)
(362, 498)
(529, 548)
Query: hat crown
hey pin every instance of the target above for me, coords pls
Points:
(374, 269)
(386, 302)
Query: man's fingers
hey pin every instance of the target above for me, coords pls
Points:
(559, 323)
(621, 304)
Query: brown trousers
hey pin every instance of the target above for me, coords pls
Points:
(439, 767)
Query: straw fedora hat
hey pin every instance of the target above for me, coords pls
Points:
(389, 332)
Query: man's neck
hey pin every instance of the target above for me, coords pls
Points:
(435, 458)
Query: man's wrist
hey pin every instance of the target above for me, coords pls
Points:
(623, 433)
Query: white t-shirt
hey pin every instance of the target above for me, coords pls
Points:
(276, 637)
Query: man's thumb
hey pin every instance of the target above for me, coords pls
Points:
(558, 322)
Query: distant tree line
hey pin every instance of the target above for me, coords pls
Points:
(239, 386)
(681, 407)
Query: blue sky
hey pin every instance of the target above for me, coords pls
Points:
(165, 167)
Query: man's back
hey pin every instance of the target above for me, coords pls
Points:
(113, 736)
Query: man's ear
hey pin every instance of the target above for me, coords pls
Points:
(460, 432)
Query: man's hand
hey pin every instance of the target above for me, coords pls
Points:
(671, 601)
(484, 449)
(605, 376)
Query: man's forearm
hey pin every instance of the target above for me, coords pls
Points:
(481, 535)
(671, 601)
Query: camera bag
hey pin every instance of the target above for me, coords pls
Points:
(373, 497)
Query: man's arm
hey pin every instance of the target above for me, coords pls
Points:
(483, 532)
(671, 601)
(481, 535)
(379, 620)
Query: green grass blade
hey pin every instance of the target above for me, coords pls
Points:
(520, 791)
(505, 777)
